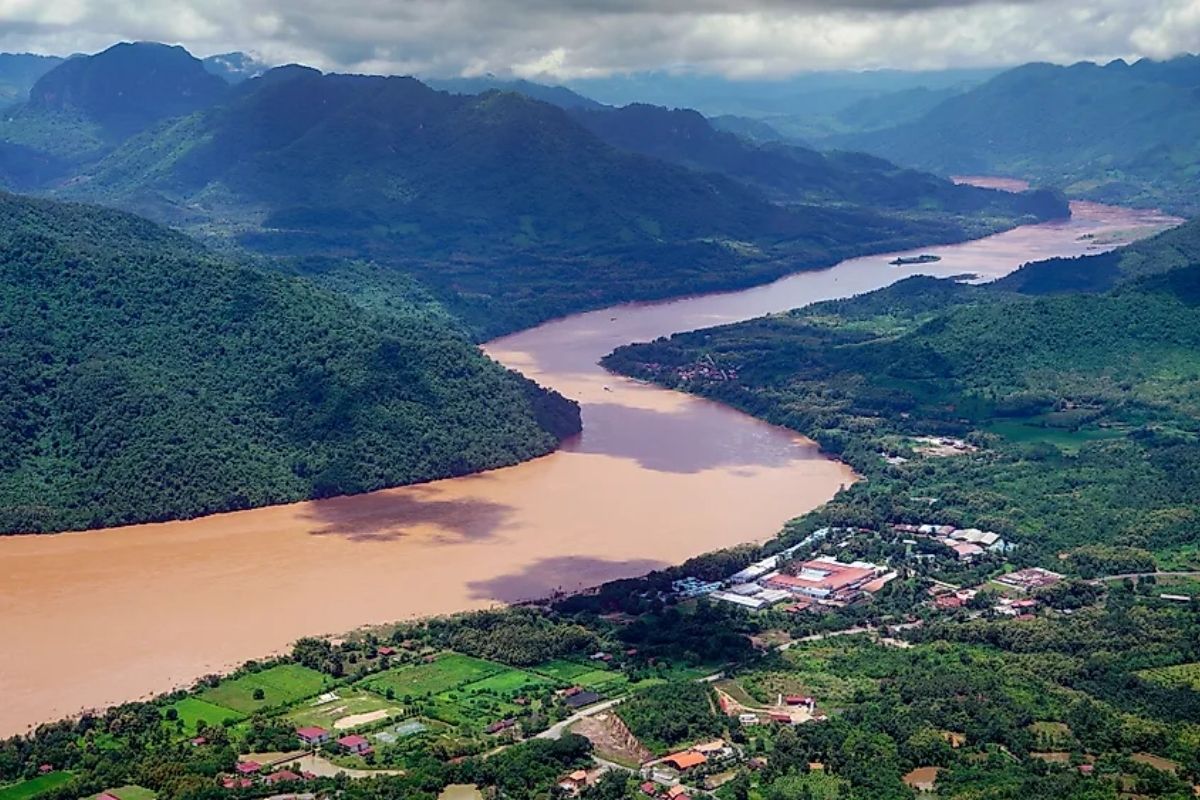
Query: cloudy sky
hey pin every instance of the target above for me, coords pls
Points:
(566, 39)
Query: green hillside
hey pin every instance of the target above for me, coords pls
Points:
(507, 208)
(1118, 133)
(103, 98)
(144, 378)
(1083, 407)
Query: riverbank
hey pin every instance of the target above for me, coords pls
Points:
(650, 482)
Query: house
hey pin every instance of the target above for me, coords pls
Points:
(198, 741)
(230, 782)
(686, 760)
(45, 768)
(574, 782)
(282, 776)
(358, 745)
(581, 699)
(248, 767)
(385, 651)
(783, 719)
(312, 735)
(677, 792)
(966, 550)
(1087, 769)
(816, 766)
(948, 602)
(748, 719)
(649, 788)
(500, 725)
(799, 700)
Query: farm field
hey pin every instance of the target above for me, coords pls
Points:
(34, 786)
(281, 685)
(562, 670)
(1179, 676)
(350, 710)
(192, 711)
(130, 793)
(511, 681)
(450, 671)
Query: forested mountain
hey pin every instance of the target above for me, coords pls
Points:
(1119, 132)
(796, 174)
(88, 104)
(143, 378)
(18, 73)
(507, 207)
(1084, 407)
(555, 95)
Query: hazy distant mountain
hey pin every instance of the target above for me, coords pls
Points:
(1119, 132)
(555, 95)
(800, 107)
(19, 71)
(754, 130)
(235, 67)
(795, 174)
(144, 378)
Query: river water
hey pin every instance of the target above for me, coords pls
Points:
(92, 618)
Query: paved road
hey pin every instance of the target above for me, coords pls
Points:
(1106, 578)
(555, 731)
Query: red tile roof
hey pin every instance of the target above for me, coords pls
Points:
(353, 740)
(248, 767)
(686, 760)
(311, 732)
(282, 775)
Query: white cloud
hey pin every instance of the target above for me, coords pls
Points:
(582, 38)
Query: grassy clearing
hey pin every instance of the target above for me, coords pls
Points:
(130, 792)
(421, 680)
(192, 711)
(350, 702)
(35, 786)
(1062, 438)
(510, 682)
(280, 685)
(601, 679)
(564, 671)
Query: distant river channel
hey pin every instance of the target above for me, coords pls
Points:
(93, 618)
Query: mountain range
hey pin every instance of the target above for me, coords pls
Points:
(510, 209)
(1121, 133)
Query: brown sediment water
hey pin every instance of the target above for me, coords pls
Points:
(92, 618)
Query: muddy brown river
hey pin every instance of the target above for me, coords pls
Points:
(92, 618)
